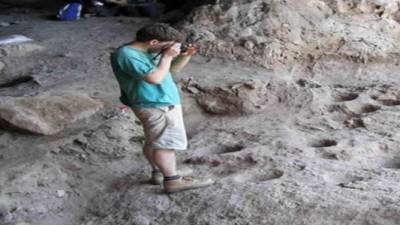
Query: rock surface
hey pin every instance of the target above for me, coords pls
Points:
(1, 66)
(312, 142)
(239, 99)
(270, 32)
(19, 50)
(47, 113)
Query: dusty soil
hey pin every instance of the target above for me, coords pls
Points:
(286, 145)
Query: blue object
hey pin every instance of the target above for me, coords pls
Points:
(70, 12)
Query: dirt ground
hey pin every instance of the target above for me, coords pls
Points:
(286, 145)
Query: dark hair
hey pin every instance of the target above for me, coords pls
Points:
(160, 32)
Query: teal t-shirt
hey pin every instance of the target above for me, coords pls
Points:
(130, 65)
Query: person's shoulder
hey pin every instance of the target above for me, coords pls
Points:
(131, 52)
(123, 52)
(128, 49)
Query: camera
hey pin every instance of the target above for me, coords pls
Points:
(184, 47)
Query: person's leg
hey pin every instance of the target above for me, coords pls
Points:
(152, 122)
(165, 160)
(148, 153)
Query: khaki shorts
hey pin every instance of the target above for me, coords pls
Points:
(163, 127)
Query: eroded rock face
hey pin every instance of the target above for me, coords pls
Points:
(268, 32)
(324, 164)
(239, 99)
(242, 98)
(381, 8)
(47, 113)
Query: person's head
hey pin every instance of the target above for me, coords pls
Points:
(159, 35)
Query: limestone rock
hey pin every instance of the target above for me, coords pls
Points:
(382, 8)
(19, 50)
(2, 66)
(241, 98)
(46, 114)
(287, 31)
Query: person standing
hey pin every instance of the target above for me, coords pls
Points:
(147, 86)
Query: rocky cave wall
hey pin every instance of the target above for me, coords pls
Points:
(277, 31)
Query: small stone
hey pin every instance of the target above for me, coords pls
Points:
(396, 16)
(3, 212)
(82, 157)
(5, 24)
(40, 184)
(249, 45)
(193, 90)
(45, 166)
(72, 166)
(87, 15)
(88, 223)
(2, 65)
(60, 193)
(141, 220)
(250, 84)
(22, 223)
(56, 150)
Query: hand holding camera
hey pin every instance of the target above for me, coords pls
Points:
(173, 50)
(176, 49)
(188, 49)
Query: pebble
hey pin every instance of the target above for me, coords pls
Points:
(60, 193)
(5, 24)
(2, 66)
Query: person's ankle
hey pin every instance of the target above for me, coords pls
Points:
(171, 178)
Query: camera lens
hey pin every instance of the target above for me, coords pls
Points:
(184, 48)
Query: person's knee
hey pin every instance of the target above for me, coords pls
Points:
(163, 154)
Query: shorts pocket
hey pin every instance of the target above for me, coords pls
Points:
(149, 114)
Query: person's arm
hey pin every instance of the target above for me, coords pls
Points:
(158, 75)
(182, 60)
(179, 63)
(163, 67)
